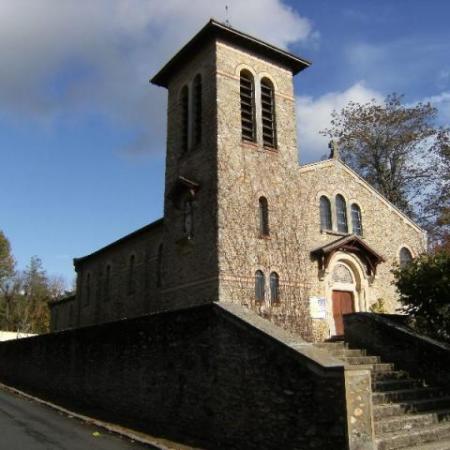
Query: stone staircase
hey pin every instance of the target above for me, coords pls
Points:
(407, 414)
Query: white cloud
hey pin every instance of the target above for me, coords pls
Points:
(442, 103)
(68, 58)
(314, 115)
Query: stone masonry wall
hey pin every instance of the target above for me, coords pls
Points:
(200, 376)
(100, 303)
(248, 171)
(385, 229)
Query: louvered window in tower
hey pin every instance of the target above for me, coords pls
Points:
(197, 109)
(268, 113)
(248, 107)
(184, 100)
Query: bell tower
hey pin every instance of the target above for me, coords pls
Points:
(231, 138)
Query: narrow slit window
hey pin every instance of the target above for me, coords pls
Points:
(131, 280)
(99, 286)
(356, 220)
(263, 217)
(268, 113)
(197, 109)
(184, 119)
(259, 286)
(325, 213)
(247, 92)
(159, 266)
(107, 283)
(341, 214)
(274, 288)
(88, 290)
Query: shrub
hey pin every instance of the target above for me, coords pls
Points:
(424, 288)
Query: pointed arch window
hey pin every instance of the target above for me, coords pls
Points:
(341, 214)
(184, 101)
(405, 257)
(268, 113)
(259, 286)
(247, 92)
(197, 106)
(264, 230)
(325, 213)
(274, 288)
(356, 220)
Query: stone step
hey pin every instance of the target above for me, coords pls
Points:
(410, 421)
(441, 445)
(433, 433)
(340, 352)
(390, 375)
(410, 407)
(393, 385)
(383, 367)
(331, 345)
(360, 360)
(401, 395)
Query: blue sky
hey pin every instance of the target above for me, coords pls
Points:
(82, 133)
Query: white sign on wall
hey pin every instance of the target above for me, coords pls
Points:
(318, 307)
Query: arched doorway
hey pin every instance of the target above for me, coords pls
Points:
(343, 295)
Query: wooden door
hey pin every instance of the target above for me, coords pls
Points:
(342, 304)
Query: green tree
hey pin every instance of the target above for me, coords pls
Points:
(424, 288)
(397, 148)
(7, 262)
(7, 282)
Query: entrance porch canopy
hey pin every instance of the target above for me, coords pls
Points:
(349, 244)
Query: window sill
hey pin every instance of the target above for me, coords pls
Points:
(334, 232)
(265, 237)
(260, 148)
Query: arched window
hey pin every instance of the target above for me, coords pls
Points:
(274, 288)
(184, 100)
(88, 290)
(197, 106)
(106, 291)
(247, 107)
(356, 220)
(259, 286)
(131, 275)
(405, 257)
(263, 217)
(159, 266)
(268, 113)
(341, 214)
(325, 213)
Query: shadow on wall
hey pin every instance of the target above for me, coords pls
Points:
(203, 376)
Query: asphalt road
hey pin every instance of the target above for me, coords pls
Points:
(27, 425)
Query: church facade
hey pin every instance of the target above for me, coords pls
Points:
(243, 222)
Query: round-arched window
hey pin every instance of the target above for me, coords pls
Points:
(405, 257)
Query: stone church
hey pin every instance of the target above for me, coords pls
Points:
(244, 222)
